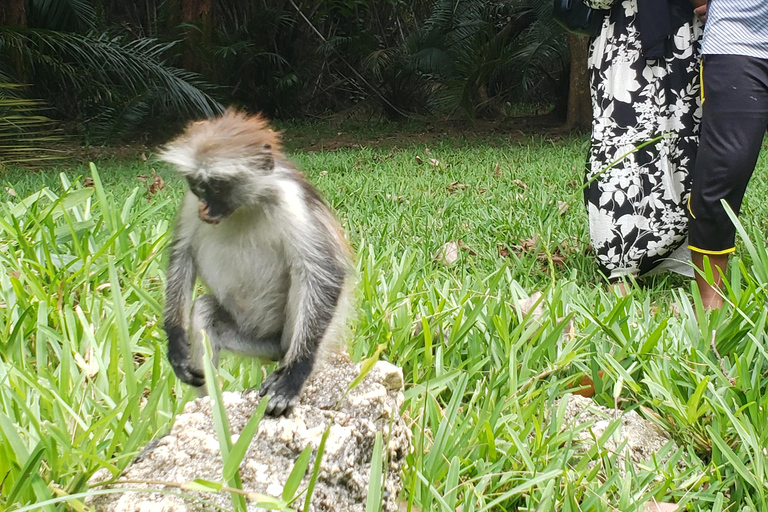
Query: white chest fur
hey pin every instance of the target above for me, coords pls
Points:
(244, 265)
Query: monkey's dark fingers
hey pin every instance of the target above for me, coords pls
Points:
(283, 393)
(279, 405)
(189, 374)
(269, 382)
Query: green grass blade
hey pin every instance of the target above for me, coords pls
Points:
(373, 500)
(240, 447)
(297, 474)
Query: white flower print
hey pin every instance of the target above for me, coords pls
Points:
(637, 207)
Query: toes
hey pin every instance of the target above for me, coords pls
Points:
(279, 405)
(269, 383)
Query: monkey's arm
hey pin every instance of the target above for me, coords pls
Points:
(317, 280)
(180, 281)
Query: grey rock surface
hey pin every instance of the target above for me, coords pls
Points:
(643, 438)
(191, 449)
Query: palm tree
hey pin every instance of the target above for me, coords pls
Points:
(107, 83)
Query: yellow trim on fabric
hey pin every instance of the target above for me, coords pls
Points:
(689, 207)
(701, 80)
(713, 253)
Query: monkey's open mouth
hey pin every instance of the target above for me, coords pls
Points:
(204, 212)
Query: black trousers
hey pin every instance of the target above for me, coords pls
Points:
(735, 118)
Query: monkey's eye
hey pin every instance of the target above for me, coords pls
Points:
(196, 189)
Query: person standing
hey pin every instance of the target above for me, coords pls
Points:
(735, 118)
(644, 80)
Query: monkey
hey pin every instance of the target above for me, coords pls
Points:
(270, 252)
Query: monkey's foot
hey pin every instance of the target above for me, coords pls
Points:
(283, 389)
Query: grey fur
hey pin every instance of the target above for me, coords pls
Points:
(277, 268)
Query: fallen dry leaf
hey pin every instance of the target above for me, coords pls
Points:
(143, 157)
(532, 305)
(447, 254)
(419, 160)
(503, 252)
(498, 172)
(88, 182)
(482, 190)
(403, 507)
(434, 162)
(10, 191)
(587, 385)
(398, 199)
(558, 258)
(465, 247)
(657, 506)
(529, 244)
(157, 184)
(520, 183)
(562, 207)
(455, 185)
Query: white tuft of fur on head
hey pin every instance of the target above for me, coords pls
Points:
(231, 143)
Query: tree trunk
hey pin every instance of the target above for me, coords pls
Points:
(579, 115)
(13, 14)
(200, 14)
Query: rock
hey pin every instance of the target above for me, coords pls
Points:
(644, 439)
(191, 449)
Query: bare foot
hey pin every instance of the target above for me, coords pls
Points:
(623, 288)
(711, 297)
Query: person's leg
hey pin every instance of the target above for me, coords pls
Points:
(710, 296)
(733, 126)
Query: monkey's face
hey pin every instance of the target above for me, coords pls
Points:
(215, 199)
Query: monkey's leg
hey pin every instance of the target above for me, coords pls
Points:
(223, 333)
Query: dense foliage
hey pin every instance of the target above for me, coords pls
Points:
(109, 67)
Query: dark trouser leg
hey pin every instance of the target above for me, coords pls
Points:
(733, 126)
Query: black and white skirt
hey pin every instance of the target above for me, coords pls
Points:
(638, 189)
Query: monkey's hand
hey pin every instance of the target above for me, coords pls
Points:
(282, 388)
(181, 362)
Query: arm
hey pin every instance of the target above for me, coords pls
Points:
(317, 271)
(180, 281)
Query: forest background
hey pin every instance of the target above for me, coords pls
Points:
(115, 70)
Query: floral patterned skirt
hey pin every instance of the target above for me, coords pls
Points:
(644, 138)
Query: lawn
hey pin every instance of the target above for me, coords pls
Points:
(84, 383)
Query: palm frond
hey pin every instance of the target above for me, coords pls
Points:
(67, 15)
(26, 135)
(99, 71)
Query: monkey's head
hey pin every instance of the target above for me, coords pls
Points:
(226, 161)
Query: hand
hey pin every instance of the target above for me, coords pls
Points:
(701, 12)
(700, 9)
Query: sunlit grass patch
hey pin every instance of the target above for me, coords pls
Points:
(84, 382)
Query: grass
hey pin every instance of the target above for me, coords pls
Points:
(84, 383)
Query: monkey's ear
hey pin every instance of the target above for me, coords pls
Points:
(267, 159)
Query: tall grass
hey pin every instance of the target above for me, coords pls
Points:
(84, 383)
